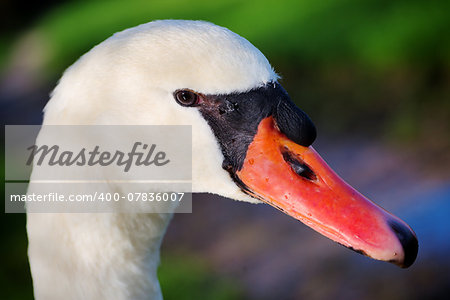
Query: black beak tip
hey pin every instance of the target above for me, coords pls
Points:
(409, 242)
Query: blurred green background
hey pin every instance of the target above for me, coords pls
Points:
(373, 75)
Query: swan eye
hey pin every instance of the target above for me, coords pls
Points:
(186, 98)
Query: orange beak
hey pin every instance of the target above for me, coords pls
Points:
(297, 181)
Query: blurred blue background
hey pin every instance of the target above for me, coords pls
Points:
(373, 75)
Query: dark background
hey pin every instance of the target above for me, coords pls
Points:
(373, 75)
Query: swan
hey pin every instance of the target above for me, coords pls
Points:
(249, 143)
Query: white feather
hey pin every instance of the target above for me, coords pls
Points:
(130, 79)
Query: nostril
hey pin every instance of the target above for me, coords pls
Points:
(408, 240)
(298, 166)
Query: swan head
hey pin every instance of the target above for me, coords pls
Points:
(250, 142)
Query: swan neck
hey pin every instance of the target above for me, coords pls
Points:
(95, 256)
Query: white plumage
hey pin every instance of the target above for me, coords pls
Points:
(130, 79)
